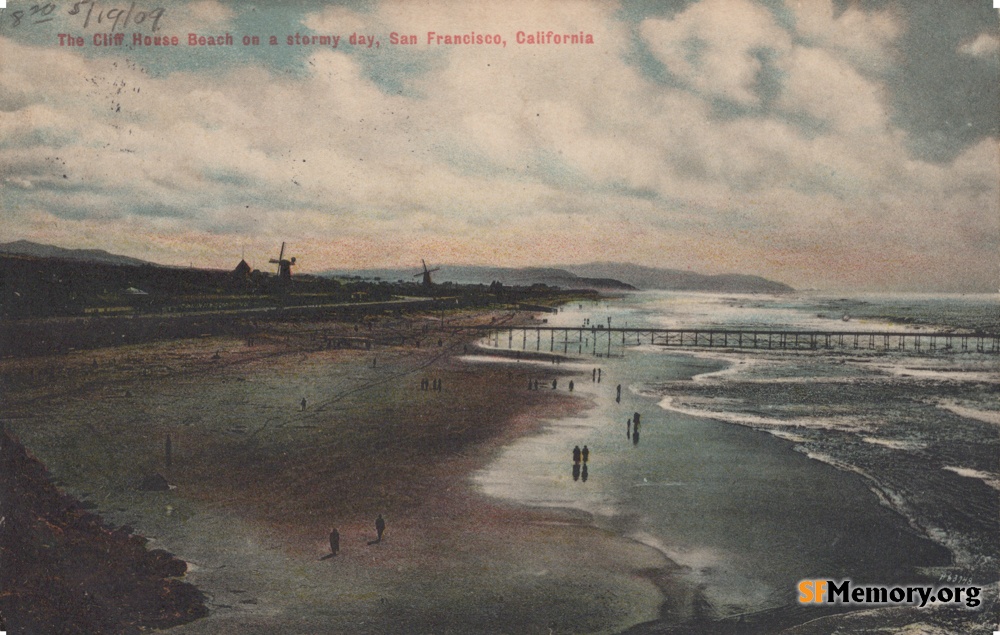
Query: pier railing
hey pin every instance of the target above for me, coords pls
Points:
(601, 341)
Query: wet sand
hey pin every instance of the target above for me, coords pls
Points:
(257, 482)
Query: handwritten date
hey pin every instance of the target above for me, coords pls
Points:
(93, 14)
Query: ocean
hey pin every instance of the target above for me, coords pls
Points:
(754, 469)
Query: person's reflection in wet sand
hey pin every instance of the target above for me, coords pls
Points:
(576, 471)
(583, 473)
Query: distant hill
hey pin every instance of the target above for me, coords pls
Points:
(602, 276)
(469, 274)
(606, 276)
(675, 280)
(28, 248)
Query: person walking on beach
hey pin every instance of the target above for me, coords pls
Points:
(618, 398)
(585, 453)
(303, 403)
(576, 454)
(379, 528)
(554, 384)
(571, 385)
(593, 375)
(334, 541)
(628, 427)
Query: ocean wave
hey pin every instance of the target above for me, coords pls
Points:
(896, 444)
(674, 404)
(890, 499)
(993, 480)
(986, 416)
(819, 367)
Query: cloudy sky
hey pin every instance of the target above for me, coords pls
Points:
(823, 143)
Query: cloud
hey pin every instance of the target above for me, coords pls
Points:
(771, 148)
(335, 19)
(712, 46)
(983, 45)
(865, 39)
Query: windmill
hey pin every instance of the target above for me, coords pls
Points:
(284, 266)
(426, 273)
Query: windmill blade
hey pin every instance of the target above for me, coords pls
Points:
(282, 254)
(433, 270)
(424, 264)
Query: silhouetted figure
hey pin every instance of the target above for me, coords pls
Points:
(303, 403)
(628, 428)
(635, 436)
(576, 454)
(374, 361)
(334, 541)
(554, 384)
(576, 471)
(598, 375)
(618, 397)
(379, 528)
(635, 419)
(571, 385)
(593, 375)
(583, 473)
(585, 453)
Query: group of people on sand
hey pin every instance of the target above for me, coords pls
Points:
(533, 384)
(335, 535)
(430, 384)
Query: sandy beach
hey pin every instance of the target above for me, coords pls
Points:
(258, 478)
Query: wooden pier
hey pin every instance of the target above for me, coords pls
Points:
(601, 341)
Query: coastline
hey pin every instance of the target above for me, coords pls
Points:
(273, 480)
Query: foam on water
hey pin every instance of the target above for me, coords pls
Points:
(993, 480)
(757, 421)
(986, 416)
